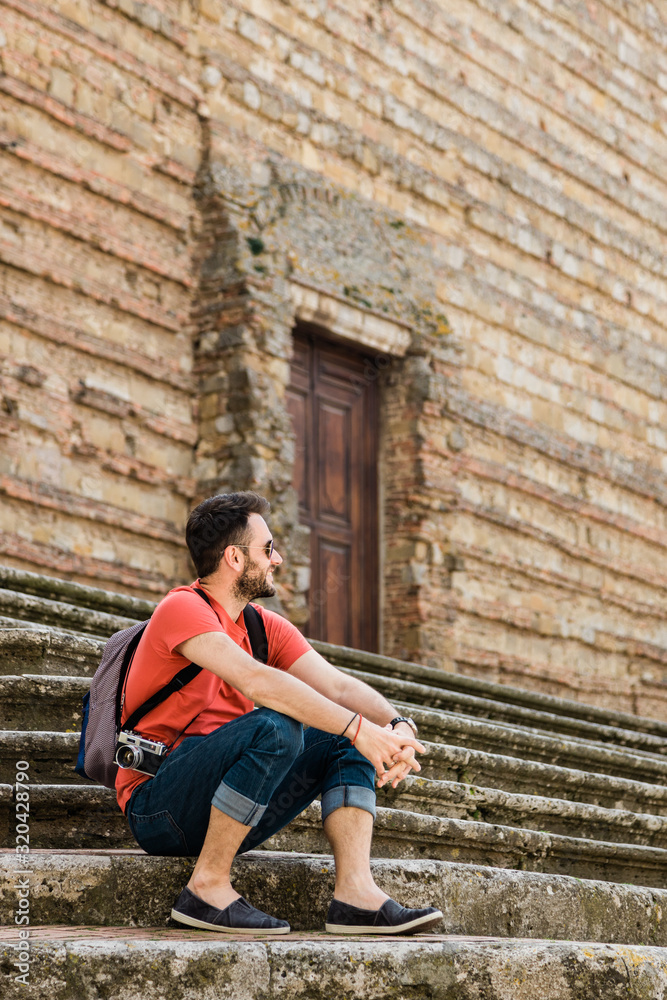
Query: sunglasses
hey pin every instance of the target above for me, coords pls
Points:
(268, 548)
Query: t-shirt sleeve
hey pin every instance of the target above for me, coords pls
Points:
(180, 616)
(286, 644)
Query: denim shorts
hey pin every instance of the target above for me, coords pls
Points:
(261, 769)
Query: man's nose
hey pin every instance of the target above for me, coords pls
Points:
(276, 557)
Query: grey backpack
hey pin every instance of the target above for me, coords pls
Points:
(103, 704)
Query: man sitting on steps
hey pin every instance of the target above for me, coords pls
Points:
(235, 775)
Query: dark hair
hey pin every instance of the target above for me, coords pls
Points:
(217, 522)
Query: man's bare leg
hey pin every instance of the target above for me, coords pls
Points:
(349, 831)
(210, 879)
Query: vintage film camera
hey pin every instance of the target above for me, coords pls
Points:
(134, 752)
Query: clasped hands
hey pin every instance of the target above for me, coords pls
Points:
(403, 762)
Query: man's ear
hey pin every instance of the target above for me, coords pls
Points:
(232, 558)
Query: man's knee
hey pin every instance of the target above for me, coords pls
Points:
(285, 733)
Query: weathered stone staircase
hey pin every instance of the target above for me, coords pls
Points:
(539, 826)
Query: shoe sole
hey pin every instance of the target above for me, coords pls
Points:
(420, 923)
(202, 925)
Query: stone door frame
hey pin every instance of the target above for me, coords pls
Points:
(268, 259)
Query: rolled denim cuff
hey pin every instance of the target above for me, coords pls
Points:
(348, 795)
(238, 806)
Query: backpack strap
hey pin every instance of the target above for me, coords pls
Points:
(128, 656)
(182, 678)
(256, 633)
(254, 624)
(258, 642)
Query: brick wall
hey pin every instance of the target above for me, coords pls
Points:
(508, 163)
(99, 144)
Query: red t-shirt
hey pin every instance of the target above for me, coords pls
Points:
(181, 615)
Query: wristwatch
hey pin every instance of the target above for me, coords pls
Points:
(402, 718)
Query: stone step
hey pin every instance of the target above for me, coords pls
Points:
(15, 606)
(512, 774)
(59, 697)
(166, 965)
(399, 834)
(68, 817)
(61, 816)
(43, 650)
(79, 594)
(437, 718)
(81, 815)
(31, 701)
(529, 812)
(6, 622)
(131, 889)
(386, 666)
(66, 605)
(460, 703)
(446, 727)
(51, 756)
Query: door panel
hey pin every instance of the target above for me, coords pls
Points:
(334, 453)
(334, 599)
(335, 421)
(297, 404)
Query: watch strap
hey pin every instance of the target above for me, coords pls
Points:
(403, 718)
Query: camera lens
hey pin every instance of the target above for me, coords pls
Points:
(129, 757)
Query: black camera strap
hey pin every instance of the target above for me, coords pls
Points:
(182, 678)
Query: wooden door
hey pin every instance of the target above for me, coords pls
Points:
(333, 403)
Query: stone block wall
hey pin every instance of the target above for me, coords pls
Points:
(498, 164)
(99, 146)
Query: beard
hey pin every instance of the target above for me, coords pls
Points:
(252, 584)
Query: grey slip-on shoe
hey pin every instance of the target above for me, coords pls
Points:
(391, 918)
(237, 918)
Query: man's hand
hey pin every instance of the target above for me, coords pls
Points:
(405, 761)
(394, 747)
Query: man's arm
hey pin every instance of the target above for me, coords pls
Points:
(289, 694)
(356, 696)
(351, 693)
